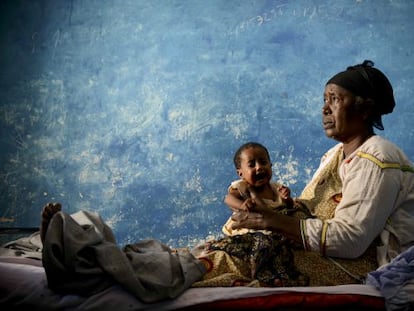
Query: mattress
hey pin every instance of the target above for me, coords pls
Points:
(23, 285)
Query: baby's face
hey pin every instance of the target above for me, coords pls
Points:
(256, 168)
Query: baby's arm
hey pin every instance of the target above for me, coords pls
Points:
(237, 203)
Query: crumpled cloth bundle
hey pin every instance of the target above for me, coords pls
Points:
(80, 256)
(395, 281)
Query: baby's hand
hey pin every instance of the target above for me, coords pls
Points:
(284, 192)
(248, 205)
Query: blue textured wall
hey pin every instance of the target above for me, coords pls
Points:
(134, 108)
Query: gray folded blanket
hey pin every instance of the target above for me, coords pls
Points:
(80, 256)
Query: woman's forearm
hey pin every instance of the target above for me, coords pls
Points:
(269, 220)
(286, 225)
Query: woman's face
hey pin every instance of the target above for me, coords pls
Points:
(340, 118)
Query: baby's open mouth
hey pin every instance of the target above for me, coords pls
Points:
(260, 176)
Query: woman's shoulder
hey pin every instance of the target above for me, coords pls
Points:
(382, 149)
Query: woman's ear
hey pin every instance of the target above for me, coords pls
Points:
(365, 106)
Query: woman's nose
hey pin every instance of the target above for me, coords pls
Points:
(326, 110)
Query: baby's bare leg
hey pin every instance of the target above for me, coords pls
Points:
(48, 211)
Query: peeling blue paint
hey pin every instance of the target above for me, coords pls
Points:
(134, 109)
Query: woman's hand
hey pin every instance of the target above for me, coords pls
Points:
(263, 218)
(256, 215)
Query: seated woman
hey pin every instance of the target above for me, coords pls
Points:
(361, 196)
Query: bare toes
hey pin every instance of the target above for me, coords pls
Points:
(48, 211)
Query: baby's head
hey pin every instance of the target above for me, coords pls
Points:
(237, 155)
(252, 162)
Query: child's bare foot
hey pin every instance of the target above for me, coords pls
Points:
(48, 211)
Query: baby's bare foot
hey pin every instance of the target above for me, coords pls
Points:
(48, 211)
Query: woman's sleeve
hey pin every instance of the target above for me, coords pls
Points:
(368, 199)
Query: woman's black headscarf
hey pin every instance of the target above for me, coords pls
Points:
(368, 82)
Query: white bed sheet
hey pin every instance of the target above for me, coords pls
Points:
(25, 285)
